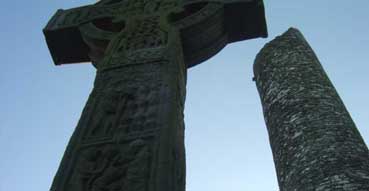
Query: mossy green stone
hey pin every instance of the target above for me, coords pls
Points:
(131, 133)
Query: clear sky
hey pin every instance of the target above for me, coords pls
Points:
(226, 138)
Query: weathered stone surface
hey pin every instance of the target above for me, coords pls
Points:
(205, 26)
(315, 143)
(131, 133)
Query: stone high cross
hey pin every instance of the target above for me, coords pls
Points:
(131, 133)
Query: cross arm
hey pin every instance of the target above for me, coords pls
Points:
(218, 23)
(244, 19)
(63, 36)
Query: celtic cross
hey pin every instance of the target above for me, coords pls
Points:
(131, 133)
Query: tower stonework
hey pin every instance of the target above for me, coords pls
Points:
(314, 141)
(130, 136)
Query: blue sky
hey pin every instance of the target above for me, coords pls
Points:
(226, 139)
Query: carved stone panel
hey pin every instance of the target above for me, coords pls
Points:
(112, 166)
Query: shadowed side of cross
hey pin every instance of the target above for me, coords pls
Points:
(83, 34)
(131, 133)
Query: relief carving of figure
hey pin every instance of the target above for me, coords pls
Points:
(114, 167)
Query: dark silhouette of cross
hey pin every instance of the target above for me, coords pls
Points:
(131, 134)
